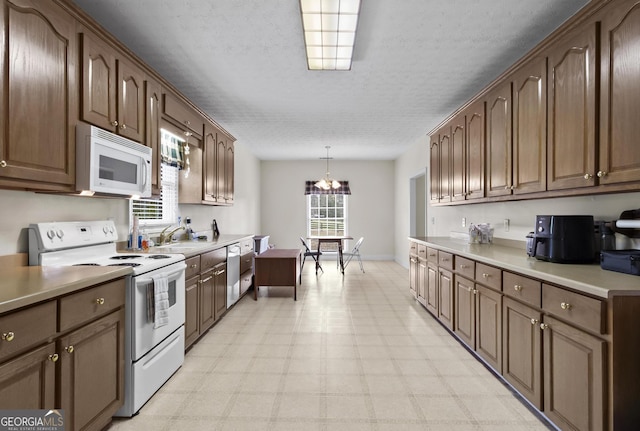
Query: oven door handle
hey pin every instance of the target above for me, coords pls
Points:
(170, 276)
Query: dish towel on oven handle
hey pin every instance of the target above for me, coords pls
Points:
(160, 301)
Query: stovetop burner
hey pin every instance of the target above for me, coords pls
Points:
(158, 256)
(132, 264)
(125, 256)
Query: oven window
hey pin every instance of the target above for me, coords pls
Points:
(172, 293)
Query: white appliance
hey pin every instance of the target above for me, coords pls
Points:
(110, 164)
(233, 274)
(152, 355)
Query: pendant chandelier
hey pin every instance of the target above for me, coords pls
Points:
(327, 183)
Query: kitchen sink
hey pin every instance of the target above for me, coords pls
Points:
(177, 246)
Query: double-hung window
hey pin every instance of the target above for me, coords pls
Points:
(327, 216)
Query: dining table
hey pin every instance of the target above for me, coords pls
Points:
(338, 239)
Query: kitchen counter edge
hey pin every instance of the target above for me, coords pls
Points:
(589, 279)
(200, 247)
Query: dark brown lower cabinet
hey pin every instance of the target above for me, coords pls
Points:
(522, 349)
(431, 299)
(465, 311)
(488, 325)
(95, 354)
(421, 287)
(206, 296)
(191, 331)
(28, 382)
(413, 276)
(574, 377)
(445, 297)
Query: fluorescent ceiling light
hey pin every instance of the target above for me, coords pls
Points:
(329, 32)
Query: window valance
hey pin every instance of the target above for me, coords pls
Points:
(311, 189)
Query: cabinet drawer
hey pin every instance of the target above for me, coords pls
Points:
(246, 246)
(465, 267)
(575, 308)
(432, 255)
(193, 266)
(212, 258)
(25, 328)
(246, 262)
(422, 251)
(522, 288)
(246, 279)
(413, 248)
(89, 304)
(489, 276)
(445, 260)
(183, 114)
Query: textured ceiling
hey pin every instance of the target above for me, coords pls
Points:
(415, 61)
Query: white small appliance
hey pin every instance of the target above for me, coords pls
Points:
(110, 164)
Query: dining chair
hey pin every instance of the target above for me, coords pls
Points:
(315, 254)
(355, 252)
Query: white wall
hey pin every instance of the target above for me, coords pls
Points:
(371, 204)
(20, 208)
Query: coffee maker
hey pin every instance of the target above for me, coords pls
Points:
(563, 239)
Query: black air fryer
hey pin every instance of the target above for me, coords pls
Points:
(564, 239)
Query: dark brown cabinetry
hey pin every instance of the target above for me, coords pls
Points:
(413, 268)
(67, 353)
(37, 36)
(112, 89)
(458, 156)
(530, 127)
(619, 102)
(219, 158)
(475, 150)
(499, 167)
(444, 164)
(445, 289)
(571, 110)
(206, 294)
(183, 115)
(434, 169)
(153, 108)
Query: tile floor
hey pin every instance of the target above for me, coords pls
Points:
(353, 353)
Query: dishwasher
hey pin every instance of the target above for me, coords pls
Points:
(233, 274)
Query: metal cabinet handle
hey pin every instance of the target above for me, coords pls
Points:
(123, 126)
(565, 306)
(588, 176)
(517, 288)
(602, 174)
(445, 259)
(69, 349)
(534, 321)
(485, 275)
(464, 266)
(114, 123)
(193, 266)
(205, 280)
(543, 326)
(3, 164)
(222, 271)
(54, 357)
(474, 291)
(9, 336)
(100, 301)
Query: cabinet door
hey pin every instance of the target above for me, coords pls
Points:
(434, 169)
(153, 97)
(619, 101)
(207, 300)
(191, 332)
(571, 110)
(190, 180)
(131, 104)
(28, 382)
(91, 372)
(210, 179)
(458, 159)
(221, 151)
(220, 300)
(413, 276)
(475, 143)
(530, 127)
(522, 350)
(499, 141)
(445, 164)
(432, 290)
(422, 282)
(229, 160)
(489, 326)
(39, 95)
(574, 377)
(99, 82)
(445, 297)
(465, 311)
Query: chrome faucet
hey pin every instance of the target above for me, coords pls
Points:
(165, 238)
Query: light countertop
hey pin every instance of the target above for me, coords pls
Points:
(21, 286)
(590, 279)
(192, 248)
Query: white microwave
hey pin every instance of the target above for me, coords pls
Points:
(110, 164)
